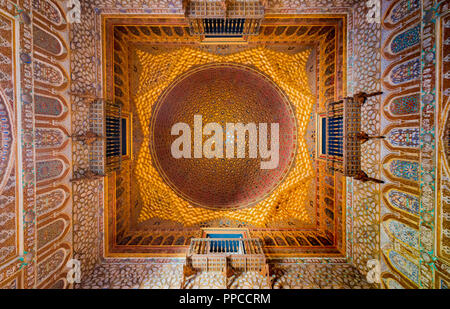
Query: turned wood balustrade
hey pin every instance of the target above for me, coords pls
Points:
(227, 255)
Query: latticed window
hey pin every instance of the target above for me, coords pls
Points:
(217, 26)
(113, 139)
(332, 139)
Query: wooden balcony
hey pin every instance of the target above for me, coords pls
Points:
(227, 255)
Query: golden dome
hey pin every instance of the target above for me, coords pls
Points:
(223, 94)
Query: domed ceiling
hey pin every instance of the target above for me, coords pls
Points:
(174, 189)
(222, 95)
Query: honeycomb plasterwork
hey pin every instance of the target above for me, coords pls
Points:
(164, 276)
(186, 212)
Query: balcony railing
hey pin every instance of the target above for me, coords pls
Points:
(227, 255)
(225, 246)
(219, 254)
(219, 18)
